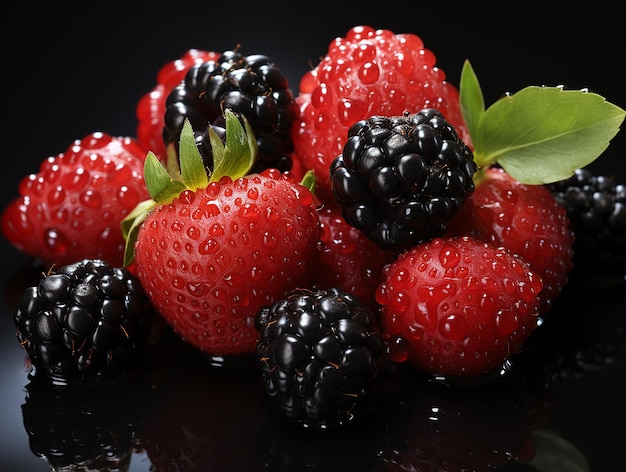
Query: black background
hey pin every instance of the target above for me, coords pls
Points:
(69, 71)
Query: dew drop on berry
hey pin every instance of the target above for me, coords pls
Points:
(369, 73)
(398, 349)
(449, 256)
(506, 322)
(453, 327)
(209, 246)
(55, 241)
(351, 111)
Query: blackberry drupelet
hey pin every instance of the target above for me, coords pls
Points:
(400, 179)
(84, 321)
(596, 207)
(253, 86)
(321, 357)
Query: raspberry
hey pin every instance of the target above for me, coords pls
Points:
(457, 306)
(368, 72)
(401, 178)
(72, 207)
(524, 218)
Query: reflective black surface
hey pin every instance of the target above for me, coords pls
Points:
(562, 400)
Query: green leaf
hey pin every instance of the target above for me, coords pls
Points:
(192, 168)
(555, 454)
(130, 227)
(309, 181)
(237, 156)
(471, 98)
(542, 134)
(161, 187)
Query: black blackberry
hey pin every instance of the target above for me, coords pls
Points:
(83, 321)
(596, 207)
(253, 86)
(321, 357)
(399, 179)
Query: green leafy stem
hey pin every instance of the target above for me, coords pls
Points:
(539, 134)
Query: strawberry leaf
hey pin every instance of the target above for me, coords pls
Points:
(237, 156)
(192, 168)
(161, 187)
(309, 181)
(553, 452)
(539, 134)
(130, 227)
(471, 98)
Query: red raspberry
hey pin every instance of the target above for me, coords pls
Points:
(367, 72)
(457, 306)
(151, 106)
(72, 208)
(526, 219)
(349, 260)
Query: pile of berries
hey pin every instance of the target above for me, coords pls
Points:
(364, 222)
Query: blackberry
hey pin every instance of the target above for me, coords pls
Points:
(253, 86)
(400, 179)
(321, 357)
(596, 207)
(85, 321)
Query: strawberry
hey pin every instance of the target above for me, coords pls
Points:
(348, 259)
(367, 72)
(211, 253)
(526, 219)
(150, 108)
(457, 306)
(71, 209)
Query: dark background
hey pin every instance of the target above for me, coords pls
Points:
(69, 71)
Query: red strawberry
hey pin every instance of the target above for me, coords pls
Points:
(71, 209)
(524, 218)
(367, 72)
(151, 106)
(349, 260)
(214, 252)
(457, 306)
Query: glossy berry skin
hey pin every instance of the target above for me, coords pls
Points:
(211, 259)
(321, 357)
(367, 72)
(253, 86)
(348, 259)
(400, 179)
(84, 321)
(457, 306)
(527, 220)
(72, 207)
(150, 108)
(596, 208)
